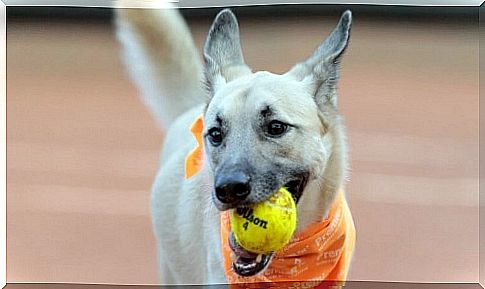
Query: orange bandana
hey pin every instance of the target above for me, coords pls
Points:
(320, 253)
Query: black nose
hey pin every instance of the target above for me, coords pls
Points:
(232, 188)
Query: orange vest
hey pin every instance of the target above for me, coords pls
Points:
(321, 253)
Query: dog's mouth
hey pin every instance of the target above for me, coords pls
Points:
(297, 185)
(248, 264)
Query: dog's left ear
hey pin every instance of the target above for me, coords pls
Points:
(223, 55)
(321, 70)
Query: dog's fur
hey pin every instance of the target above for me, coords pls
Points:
(163, 61)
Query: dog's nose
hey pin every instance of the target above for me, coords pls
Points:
(232, 188)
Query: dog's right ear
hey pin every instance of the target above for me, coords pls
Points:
(223, 56)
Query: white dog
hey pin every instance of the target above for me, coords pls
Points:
(255, 132)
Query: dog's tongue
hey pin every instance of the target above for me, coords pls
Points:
(238, 250)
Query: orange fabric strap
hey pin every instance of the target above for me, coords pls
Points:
(320, 253)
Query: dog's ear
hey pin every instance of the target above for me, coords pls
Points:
(223, 56)
(321, 70)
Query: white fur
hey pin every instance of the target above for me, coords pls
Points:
(161, 58)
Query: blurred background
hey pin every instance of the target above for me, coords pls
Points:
(82, 150)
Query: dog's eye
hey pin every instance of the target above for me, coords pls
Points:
(215, 136)
(276, 128)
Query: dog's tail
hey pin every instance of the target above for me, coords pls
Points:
(161, 57)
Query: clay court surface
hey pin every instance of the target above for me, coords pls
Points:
(82, 149)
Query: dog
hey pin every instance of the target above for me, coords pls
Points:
(251, 133)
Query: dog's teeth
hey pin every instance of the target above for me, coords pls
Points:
(233, 258)
(259, 258)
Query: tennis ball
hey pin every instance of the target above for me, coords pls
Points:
(265, 227)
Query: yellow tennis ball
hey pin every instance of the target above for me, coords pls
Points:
(265, 227)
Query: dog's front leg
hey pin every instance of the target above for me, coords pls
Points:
(167, 275)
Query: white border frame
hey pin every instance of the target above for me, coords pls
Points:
(144, 3)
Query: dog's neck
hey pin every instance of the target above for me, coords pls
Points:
(320, 193)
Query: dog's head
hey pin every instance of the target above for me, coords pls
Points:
(263, 130)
